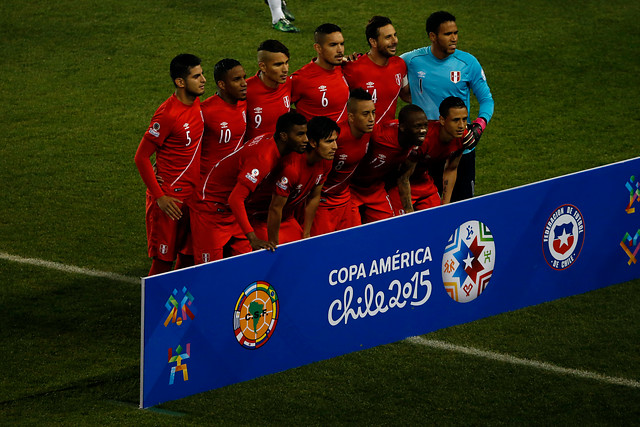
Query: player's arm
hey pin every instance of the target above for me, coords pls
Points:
(236, 203)
(274, 219)
(404, 186)
(482, 93)
(405, 91)
(169, 205)
(310, 210)
(449, 176)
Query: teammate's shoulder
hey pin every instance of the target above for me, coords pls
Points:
(415, 53)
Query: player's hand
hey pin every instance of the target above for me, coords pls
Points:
(170, 206)
(471, 139)
(352, 57)
(257, 243)
(158, 177)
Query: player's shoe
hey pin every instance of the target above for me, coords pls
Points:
(285, 26)
(287, 12)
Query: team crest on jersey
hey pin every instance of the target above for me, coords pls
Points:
(256, 315)
(155, 129)
(286, 101)
(253, 175)
(455, 76)
(319, 178)
(563, 237)
(398, 79)
(164, 249)
(468, 260)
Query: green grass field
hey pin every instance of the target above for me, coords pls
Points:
(80, 81)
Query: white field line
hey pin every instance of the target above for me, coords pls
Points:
(69, 268)
(523, 362)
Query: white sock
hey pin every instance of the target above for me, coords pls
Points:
(276, 10)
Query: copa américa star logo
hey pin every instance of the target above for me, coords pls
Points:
(256, 315)
(563, 237)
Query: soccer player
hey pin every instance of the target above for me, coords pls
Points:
(416, 189)
(269, 91)
(319, 88)
(225, 119)
(174, 135)
(222, 217)
(441, 70)
(281, 16)
(391, 144)
(284, 206)
(335, 211)
(379, 71)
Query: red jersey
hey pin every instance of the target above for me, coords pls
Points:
(176, 130)
(350, 152)
(224, 128)
(383, 157)
(382, 82)
(247, 166)
(319, 92)
(294, 179)
(431, 150)
(265, 105)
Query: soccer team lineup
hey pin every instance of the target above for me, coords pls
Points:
(281, 156)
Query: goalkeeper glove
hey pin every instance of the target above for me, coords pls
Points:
(475, 129)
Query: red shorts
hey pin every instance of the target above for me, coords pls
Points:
(165, 236)
(373, 203)
(420, 201)
(290, 230)
(330, 219)
(213, 227)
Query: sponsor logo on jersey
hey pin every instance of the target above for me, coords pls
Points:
(256, 315)
(224, 125)
(455, 76)
(322, 88)
(155, 129)
(562, 237)
(468, 260)
(283, 183)
(422, 74)
(257, 110)
(371, 85)
(253, 175)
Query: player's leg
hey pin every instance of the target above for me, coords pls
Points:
(184, 241)
(278, 19)
(465, 181)
(290, 231)
(161, 238)
(427, 202)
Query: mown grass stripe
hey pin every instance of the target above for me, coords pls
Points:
(69, 268)
(523, 362)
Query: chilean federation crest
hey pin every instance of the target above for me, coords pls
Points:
(563, 237)
(467, 263)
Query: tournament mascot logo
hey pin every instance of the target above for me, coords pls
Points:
(563, 237)
(256, 315)
(467, 263)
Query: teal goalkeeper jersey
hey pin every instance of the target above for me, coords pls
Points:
(432, 80)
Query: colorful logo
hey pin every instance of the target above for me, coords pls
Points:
(467, 263)
(256, 315)
(563, 237)
(172, 306)
(631, 245)
(634, 193)
(178, 358)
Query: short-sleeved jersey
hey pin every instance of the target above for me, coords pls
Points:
(351, 150)
(319, 92)
(432, 80)
(176, 130)
(383, 157)
(294, 179)
(247, 166)
(265, 105)
(224, 128)
(382, 82)
(432, 150)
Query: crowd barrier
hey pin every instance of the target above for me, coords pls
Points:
(240, 318)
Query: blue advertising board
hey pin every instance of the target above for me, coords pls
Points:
(243, 317)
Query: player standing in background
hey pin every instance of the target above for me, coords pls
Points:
(336, 212)
(281, 16)
(174, 136)
(379, 71)
(225, 118)
(283, 207)
(416, 189)
(319, 88)
(222, 218)
(269, 91)
(391, 144)
(441, 70)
